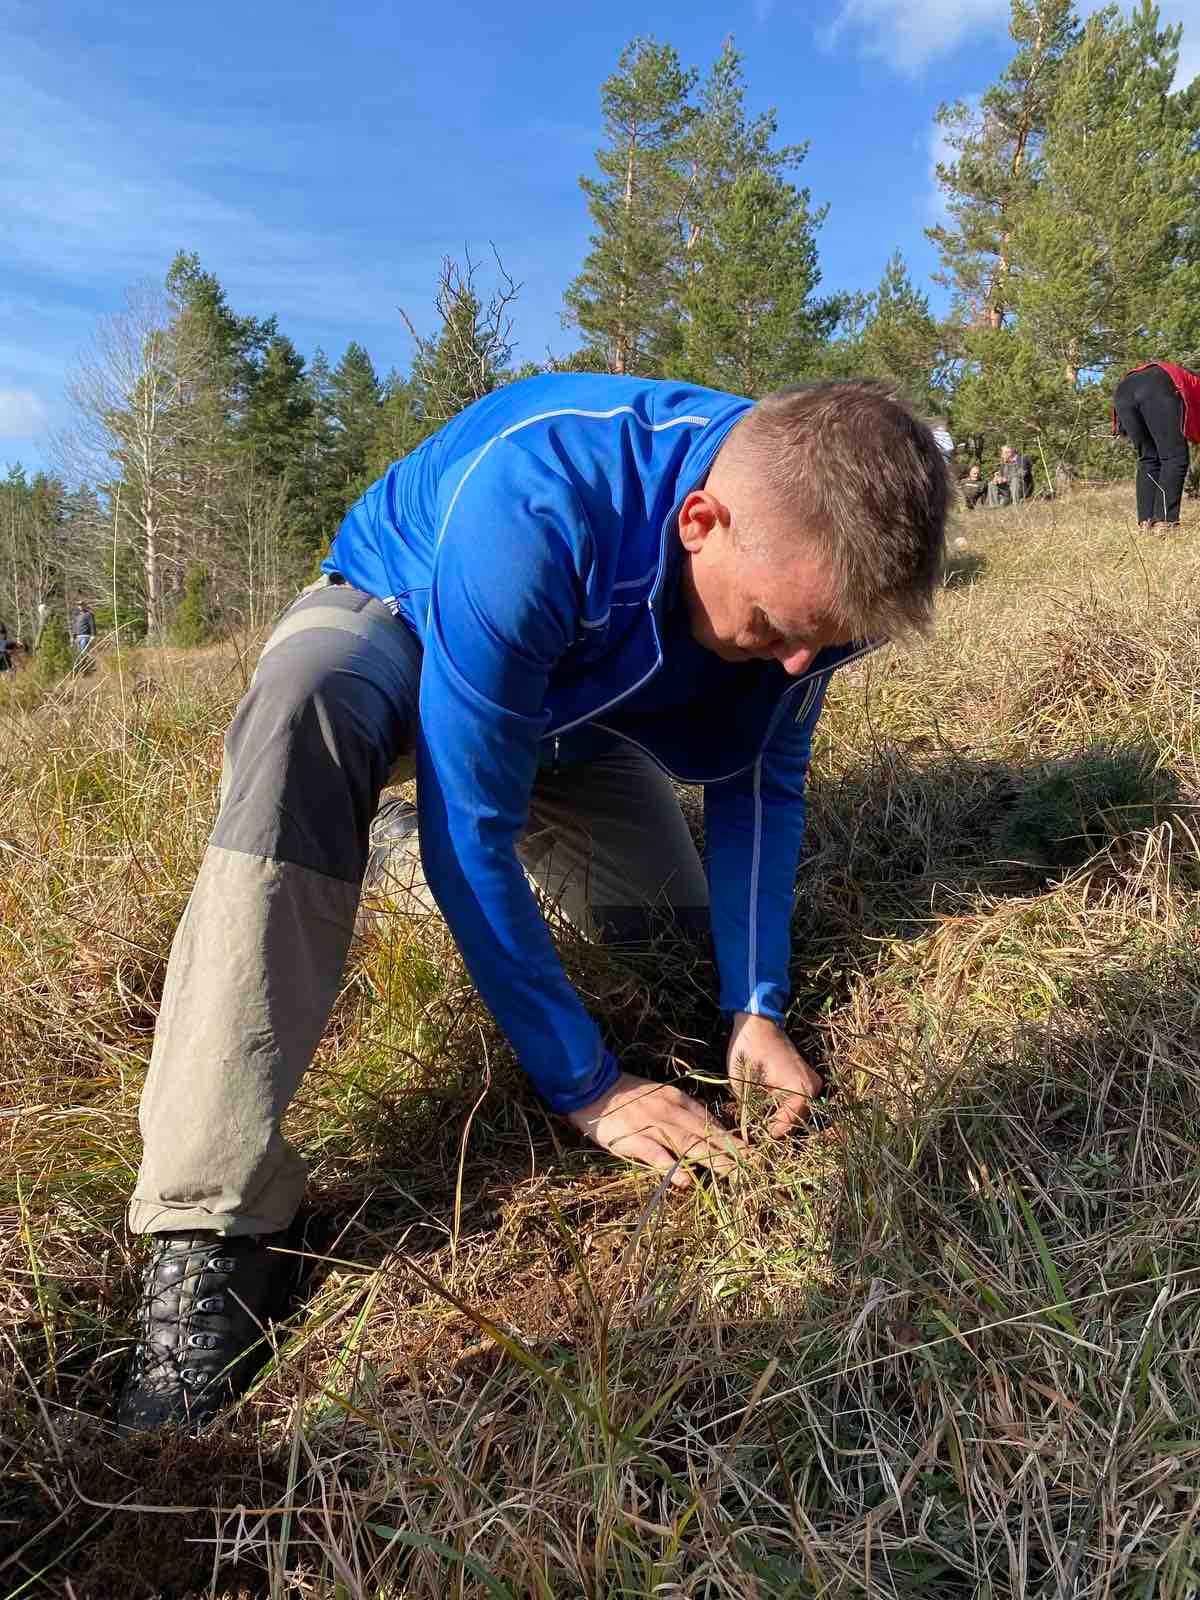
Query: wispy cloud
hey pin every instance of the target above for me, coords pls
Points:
(91, 198)
(22, 414)
(912, 33)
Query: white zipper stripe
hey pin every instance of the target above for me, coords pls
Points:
(752, 941)
(566, 411)
(632, 583)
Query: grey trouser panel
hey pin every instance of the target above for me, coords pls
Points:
(329, 718)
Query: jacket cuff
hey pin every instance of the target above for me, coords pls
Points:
(575, 1099)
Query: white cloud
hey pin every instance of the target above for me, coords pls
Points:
(912, 33)
(108, 191)
(939, 150)
(22, 414)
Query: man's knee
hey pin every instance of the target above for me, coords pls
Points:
(636, 927)
(307, 754)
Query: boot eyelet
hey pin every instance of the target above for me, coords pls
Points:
(212, 1302)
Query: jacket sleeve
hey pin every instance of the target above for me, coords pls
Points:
(503, 608)
(753, 827)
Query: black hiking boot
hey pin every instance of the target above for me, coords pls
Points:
(206, 1301)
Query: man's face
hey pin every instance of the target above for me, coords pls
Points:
(747, 605)
(1007, 453)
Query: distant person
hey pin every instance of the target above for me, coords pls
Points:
(999, 490)
(5, 646)
(941, 436)
(1018, 471)
(974, 486)
(1157, 407)
(83, 628)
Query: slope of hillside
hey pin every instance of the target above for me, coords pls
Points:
(941, 1344)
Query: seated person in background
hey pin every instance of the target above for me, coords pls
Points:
(974, 486)
(1018, 471)
(999, 492)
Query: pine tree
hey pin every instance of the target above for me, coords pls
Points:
(194, 620)
(624, 300)
(355, 396)
(901, 340)
(1104, 242)
(401, 427)
(278, 410)
(723, 144)
(472, 350)
(996, 159)
(753, 324)
(54, 657)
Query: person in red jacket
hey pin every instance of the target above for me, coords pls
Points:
(1157, 407)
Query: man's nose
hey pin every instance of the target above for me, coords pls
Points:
(797, 661)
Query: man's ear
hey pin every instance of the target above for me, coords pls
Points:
(700, 513)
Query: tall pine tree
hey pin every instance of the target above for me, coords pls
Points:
(995, 158)
(624, 300)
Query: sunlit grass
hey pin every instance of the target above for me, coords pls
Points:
(942, 1344)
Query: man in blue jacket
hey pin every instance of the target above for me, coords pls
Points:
(581, 588)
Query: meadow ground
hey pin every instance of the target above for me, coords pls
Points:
(942, 1344)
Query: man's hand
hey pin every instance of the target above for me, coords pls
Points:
(761, 1056)
(656, 1124)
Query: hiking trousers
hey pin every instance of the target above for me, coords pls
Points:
(1149, 410)
(329, 720)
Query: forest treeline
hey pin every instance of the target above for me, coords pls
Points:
(207, 463)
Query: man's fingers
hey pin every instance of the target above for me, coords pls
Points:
(641, 1147)
(705, 1146)
(792, 1105)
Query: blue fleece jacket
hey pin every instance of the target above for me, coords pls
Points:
(531, 544)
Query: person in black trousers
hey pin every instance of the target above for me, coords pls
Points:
(1149, 407)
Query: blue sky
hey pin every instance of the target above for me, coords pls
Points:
(323, 158)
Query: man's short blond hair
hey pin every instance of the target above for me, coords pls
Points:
(861, 479)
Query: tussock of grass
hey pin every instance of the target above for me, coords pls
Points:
(942, 1344)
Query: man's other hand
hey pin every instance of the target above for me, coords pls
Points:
(657, 1124)
(762, 1057)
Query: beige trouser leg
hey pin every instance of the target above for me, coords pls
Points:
(259, 953)
(607, 847)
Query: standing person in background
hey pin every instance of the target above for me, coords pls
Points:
(1157, 407)
(83, 628)
(4, 663)
(940, 429)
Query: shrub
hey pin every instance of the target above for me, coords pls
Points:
(195, 620)
(1077, 806)
(54, 657)
(131, 621)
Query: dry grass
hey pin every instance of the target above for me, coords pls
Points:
(942, 1345)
